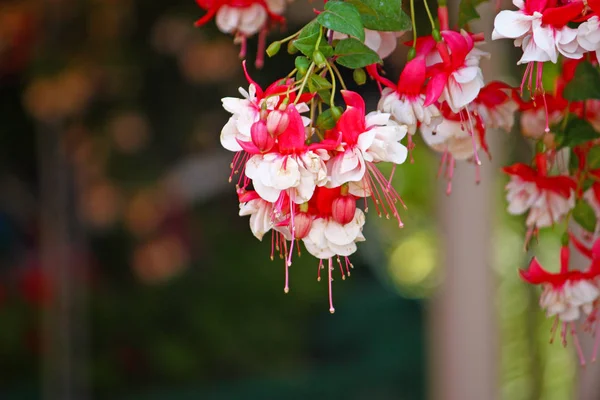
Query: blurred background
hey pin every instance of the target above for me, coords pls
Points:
(126, 273)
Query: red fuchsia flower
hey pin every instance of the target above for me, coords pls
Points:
(244, 18)
(588, 35)
(540, 27)
(456, 141)
(329, 238)
(547, 198)
(456, 77)
(405, 100)
(258, 105)
(496, 106)
(537, 116)
(366, 140)
(569, 294)
(290, 167)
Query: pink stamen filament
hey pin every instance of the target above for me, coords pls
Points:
(329, 269)
(577, 344)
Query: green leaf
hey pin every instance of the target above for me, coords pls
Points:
(326, 120)
(593, 158)
(467, 11)
(584, 215)
(585, 84)
(353, 54)
(342, 17)
(383, 15)
(321, 86)
(577, 131)
(307, 40)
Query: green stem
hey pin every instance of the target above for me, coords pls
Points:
(414, 23)
(429, 15)
(304, 81)
(332, 85)
(339, 75)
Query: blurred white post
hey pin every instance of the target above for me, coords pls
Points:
(463, 354)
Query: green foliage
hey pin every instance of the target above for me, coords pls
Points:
(307, 40)
(321, 86)
(577, 131)
(342, 17)
(467, 11)
(380, 15)
(351, 53)
(326, 120)
(584, 215)
(585, 84)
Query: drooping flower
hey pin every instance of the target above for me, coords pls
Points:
(244, 18)
(366, 140)
(547, 198)
(541, 30)
(588, 35)
(405, 100)
(569, 294)
(495, 106)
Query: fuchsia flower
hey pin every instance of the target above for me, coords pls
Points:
(496, 106)
(406, 100)
(540, 27)
(456, 77)
(244, 18)
(569, 294)
(366, 140)
(257, 107)
(547, 198)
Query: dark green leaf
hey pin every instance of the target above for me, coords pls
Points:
(467, 11)
(383, 15)
(584, 215)
(351, 53)
(593, 158)
(342, 17)
(326, 120)
(307, 40)
(317, 82)
(585, 84)
(577, 131)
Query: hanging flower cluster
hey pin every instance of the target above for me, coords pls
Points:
(560, 113)
(307, 150)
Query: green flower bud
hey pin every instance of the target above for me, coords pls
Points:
(319, 59)
(291, 47)
(273, 48)
(302, 64)
(360, 76)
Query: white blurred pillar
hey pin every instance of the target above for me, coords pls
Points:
(463, 351)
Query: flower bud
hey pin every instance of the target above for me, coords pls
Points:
(343, 209)
(273, 48)
(302, 225)
(360, 77)
(261, 137)
(302, 64)
(319, 59)
(291, 47)
(277, 122)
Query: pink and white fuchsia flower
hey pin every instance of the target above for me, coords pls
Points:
(569, 294)
(495, 106)
(244, 18)
(364, 139)
(588, 35)
(540, 28)
(547, 198)
(291, 166)
(456, 77)
(405, 101)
